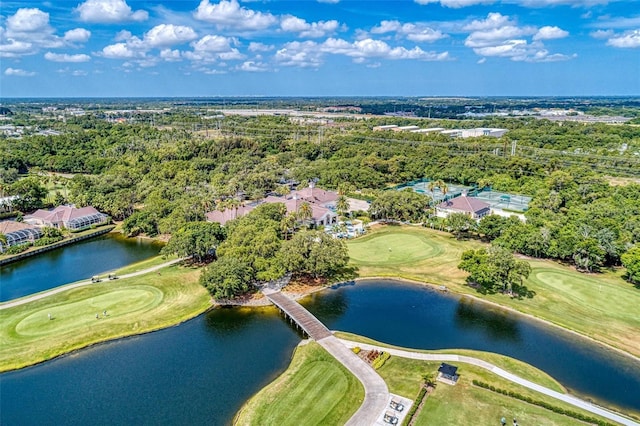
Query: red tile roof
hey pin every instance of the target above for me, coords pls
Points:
(222, 217)
(465, 204)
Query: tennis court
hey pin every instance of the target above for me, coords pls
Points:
(502, 200)
(436, 194)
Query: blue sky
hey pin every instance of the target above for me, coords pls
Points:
(319, 48)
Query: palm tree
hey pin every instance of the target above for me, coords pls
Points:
(342, 205)
(432, 185)
(305, 212)
(287, 225)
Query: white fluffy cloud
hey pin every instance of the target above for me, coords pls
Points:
(77, 35)
(310, 54)
(628, 39)
(64, 57)
(17, 72)
(161, 36)
(499, 36)
(299, 54)
(28, 20)
(550, 33)
(213, 43)
(26, 32)
(251, 66)
(308, 30)
(229, 14)
(168, 35)
(260, 47)
(109, 12)
(415, 32)
(120, 51)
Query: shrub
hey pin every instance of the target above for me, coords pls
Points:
(46, 241)
(356, 350)
(17, 249)
(380, 360)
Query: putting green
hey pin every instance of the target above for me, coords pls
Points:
(393, 248)
(82, 313)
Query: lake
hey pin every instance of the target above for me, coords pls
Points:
(71, 263)
(202, 371)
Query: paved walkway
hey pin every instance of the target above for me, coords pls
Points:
(66, 287)
(376, 393)
(577, 402)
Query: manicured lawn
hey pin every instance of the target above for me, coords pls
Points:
(134, 305)
(145, 264)
(315, 390)
(409, 252)
(466, 404)
(601, 306)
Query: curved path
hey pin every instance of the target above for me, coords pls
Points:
(376, 393)
(66, 287)
(577, 402)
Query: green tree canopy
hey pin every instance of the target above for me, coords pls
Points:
(631, 261)
(314, 253)
(197, 239)
(30, 194)
(226, 278)
(495, 269)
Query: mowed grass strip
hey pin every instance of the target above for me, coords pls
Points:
(315, 390)
(600, 306)
(134, 305)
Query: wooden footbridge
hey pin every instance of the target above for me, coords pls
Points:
(376, 393)
(302, 318)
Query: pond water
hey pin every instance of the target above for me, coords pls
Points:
(72, 263)
(202, 371)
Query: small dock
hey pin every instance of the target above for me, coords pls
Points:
(299, 315)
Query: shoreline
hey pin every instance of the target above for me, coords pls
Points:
(261, 302)
(309, 290)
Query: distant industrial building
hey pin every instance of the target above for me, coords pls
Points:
(453, 133)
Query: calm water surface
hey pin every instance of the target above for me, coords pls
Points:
(200, 373)
(72, 263)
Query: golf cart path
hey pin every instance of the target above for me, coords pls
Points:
(66, 287)
(569, 399)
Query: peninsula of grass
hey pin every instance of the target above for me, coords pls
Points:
(134, 305)
(599, 306)
(466, 403)
(315, 390)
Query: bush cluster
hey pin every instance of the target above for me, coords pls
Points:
(45, 241)
(356, 350)
(543, 404)
(17, 249)
(380, 360)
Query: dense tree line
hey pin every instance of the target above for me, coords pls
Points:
(158, 179)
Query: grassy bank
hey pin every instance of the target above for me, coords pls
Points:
(134, 305)
(600, 306)
(466, 403)
(315, 390)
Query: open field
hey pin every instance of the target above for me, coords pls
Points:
(134, 305)
(315, 390)
(599, 306)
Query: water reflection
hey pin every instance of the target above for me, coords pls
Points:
(474, 315)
